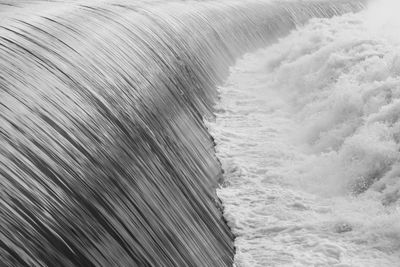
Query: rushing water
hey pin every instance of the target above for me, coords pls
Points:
(104, 157)
(308, 132)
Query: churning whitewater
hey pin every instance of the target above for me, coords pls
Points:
(308, 133)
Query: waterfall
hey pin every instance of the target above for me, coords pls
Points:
(104, 157)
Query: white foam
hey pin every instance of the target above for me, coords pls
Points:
(308, 133)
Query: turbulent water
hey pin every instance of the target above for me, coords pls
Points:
(308, 132)
(104, 157)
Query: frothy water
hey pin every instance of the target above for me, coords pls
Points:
(308, 132)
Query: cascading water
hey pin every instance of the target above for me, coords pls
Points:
(308, 131)
(104, 157)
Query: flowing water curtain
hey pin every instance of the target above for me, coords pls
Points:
(105, 160)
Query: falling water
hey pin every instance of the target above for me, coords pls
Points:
(104, 157)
